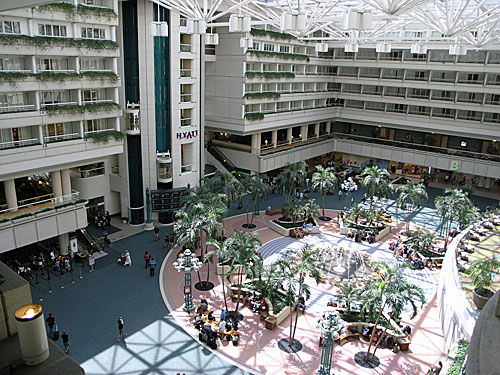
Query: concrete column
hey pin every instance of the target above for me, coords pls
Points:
(289, 135)
(66, 181)
(31, 31)
(303, 131)
(115, 65)
(256, 139)
(56, 185)
(113, 33)
(82, 129)
(328, 127)
(77, 65)
(10, 193)
(117, 124)
(33, 65)
(316, 129)
(40, 134)
(63, 240)
(274, 138)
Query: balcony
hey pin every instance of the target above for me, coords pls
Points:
(18, 108)
(61, 137)
(185, 48)
(186, 168)
(186, 73)
(41, 219)
(20, 143)
(186, 98)
(186, 122)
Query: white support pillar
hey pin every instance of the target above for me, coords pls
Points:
(66, 182)
(316, 130)
(63, 240)
(113, 33)
(79, 97)
(9, 187)
(303, 131)
(31, 31)
(256, 139)
(274, 138)
(289, 135)
(77, 65)
(328, 127)
(117, 124)
(114, 61)
(33, 65)
(116, 95)
(40, 134)
(56, 185)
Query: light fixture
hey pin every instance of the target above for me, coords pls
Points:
(212, 39)
(357, 20)
(418, 48)
(383, 47)
(293, 22)
(246, 42)
(196, 26)
(351, 47)
(321, 47)
(240, 23)
(457, 49)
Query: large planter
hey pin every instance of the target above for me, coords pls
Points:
(479, 300)
(282, 315)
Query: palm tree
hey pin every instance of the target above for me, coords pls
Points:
(310, 210)
(453, 206)
(387, 291)
(258, 190)
(411, 198)
(290, 178)
(325, 181)
(355, 212)
(222, 253)
(348, 294)
(296, 212)
(377, 184)
(243, 258)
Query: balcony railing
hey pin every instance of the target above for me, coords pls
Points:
(54, 105)
(186, 168)
(17, 108)
(185, 121)
(185, 73)
(185, 48)
(21, 143)
(86, 173)
(61, 137)
(39, 202)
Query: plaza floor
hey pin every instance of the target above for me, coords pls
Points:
(156, 344)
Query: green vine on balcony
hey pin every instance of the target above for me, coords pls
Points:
(281, 55)
(270, 75)
(13, 77)
(54, 76)
(84, 11)
(101, 76)
(254, 116)
(46, 42)
(74, 109)
(105, 136)
(262, 95)
(272, 34)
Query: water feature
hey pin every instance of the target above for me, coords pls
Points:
(345, 263)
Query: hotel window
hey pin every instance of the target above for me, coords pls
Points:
(284, 49)
(52, 30)
(93, 95)
(256, 46)
(92, 64)
(11, 63)
(93, 33)
(55, 97)
(52, 64)
(10, 27)
(96, 125)
(268, 47)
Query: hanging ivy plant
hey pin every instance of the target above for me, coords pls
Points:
(105, 136)
(101, 76)
(13, 77)
(281, 55)
(254, 116)
(272, 34)
(45, 42)
(67, 8)
(73, 109)
(262, 95)
(101, 107)
(56, 76)
(270, 75)
(86, 11)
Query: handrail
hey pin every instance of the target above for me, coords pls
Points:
(52, 138)
(17, 108)
(217, 154)
(39, 198)
(21, 143)
(94, 242)
(50, 201)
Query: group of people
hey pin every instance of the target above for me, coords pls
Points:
(150, 263)
(125, 259)
(211, 329)
(102, 219)
(300, 232)
(361, 235)
(54, 332)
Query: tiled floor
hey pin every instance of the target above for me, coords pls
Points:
(89, 308)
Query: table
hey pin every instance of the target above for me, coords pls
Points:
(404, 344)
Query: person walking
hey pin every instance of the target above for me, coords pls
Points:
(152, 266)
(65, 340)
(157, 233)
(147, 258)
(341, 194)
(51, 322)
(120, 329)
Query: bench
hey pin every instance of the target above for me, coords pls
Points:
(275, 211)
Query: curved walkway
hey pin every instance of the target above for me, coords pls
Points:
(258, 351)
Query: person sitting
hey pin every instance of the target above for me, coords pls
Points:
(407, 330)
(309, 228)
(300, 233)
(268, 210)
(235, 337)
(222, 328)
(301, 304)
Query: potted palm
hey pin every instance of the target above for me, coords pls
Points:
(481, 272)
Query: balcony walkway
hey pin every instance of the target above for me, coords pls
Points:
(88, 310)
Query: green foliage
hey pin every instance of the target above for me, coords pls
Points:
(272, 34)
(23, 216)
(46, 209)
(254, 116)
(54, 76)
(262, 95)
(101, 76)
(280, 55)
(105, 136)
(81, 10)
(13, 77)
(481, 272)
(72, 109)
(270, 75)
(45, 42)
(456, 366)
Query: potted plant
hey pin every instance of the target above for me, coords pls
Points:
(481, 272)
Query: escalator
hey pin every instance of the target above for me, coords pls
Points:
(87, 243)
(223, 160)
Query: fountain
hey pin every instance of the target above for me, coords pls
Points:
(345, 263)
